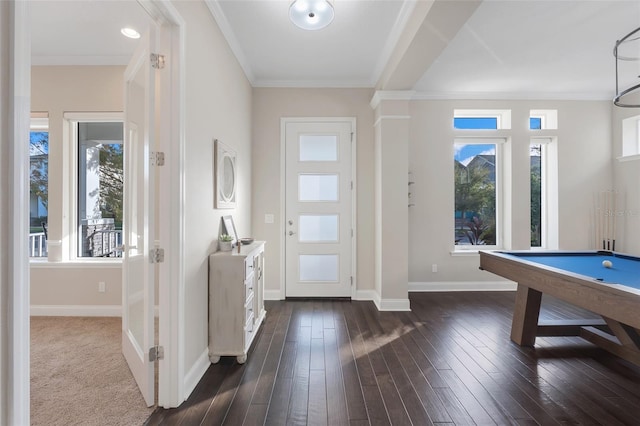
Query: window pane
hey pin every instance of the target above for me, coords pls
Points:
(319, 267)
(39, 192)
(323, 228)
(536, 195)
(318, 148)
(318, 187)
(475, 194)
(535, 123)
(100, 183)
(475, 123)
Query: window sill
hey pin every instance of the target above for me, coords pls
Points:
(629, 158)
(77, 263)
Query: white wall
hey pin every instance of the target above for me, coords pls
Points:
(584, 158)
(627, 182)
(269, 106)
(218, 106)
(56, 90)
(5, 244)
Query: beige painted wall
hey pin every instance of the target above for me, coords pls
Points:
(269, 106)
(584, 151)
(218, 106)
(56, 90)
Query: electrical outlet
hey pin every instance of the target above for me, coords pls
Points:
(102, 287)
(268, 218)
(434, 267)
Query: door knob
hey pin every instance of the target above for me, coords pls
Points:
(290, 222)
(291, 233)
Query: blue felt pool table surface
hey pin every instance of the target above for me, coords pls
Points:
(625, 269)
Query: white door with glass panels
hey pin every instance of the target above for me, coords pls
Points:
(318, 228)
(137, 270)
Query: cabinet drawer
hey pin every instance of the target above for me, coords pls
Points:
(248, 267)
(248, 309)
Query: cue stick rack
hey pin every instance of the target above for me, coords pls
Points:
(607, 211)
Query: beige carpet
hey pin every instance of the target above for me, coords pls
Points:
(79, 375)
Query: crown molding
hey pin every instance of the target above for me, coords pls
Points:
(391, 95)
(230, 36)
(320, 84)
(558, 96)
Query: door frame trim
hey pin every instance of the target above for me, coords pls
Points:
(283, 199)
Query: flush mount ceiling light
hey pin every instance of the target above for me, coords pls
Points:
(130, 32)
(311, 14)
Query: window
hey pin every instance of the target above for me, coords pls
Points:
(38, 184)
(536, 193)
(631, 137)
(544, 192)
(477, 178)
(97, 155)
(481, 119)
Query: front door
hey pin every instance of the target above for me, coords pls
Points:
(138, 227)
(318, 229)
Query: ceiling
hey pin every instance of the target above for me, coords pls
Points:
(506, 49)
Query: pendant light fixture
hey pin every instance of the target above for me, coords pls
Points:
(311, 14)
(627, 50)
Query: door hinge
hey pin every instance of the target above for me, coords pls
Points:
(156, 353)
(351, 232)
(352, 185)
(157, 61)
(157, 158)
(156, 255)
(351, 136)
(351, 281)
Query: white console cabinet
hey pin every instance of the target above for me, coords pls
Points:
(236, 300)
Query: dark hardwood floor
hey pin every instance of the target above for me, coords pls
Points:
(448, 362)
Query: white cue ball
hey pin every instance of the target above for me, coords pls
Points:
(607, 263)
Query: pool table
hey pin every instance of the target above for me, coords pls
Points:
(580, 279)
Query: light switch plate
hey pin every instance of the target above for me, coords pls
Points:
(268, 218)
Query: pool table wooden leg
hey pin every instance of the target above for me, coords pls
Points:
(525, 316)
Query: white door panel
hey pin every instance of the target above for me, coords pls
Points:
(139, 183)
(318, 209)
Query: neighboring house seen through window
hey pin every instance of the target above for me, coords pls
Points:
(38, 185)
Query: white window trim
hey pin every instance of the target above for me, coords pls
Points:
(70, 189)
(549, 192)
(630, 148)
(499, 143)
(548, 118)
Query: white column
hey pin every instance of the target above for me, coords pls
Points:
(391, 205)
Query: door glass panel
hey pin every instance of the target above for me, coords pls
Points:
(318, 148)
(322, 228)
(318, 187)
(319, 267)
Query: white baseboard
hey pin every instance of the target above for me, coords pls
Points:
(80, 311)
(463, 286)
(367, 295)
(76, 310)
(196, 372)
(383, 304)
(272, 295)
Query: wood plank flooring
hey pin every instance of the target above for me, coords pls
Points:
(448, 362)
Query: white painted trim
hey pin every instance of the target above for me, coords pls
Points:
(391, 117)
(196, 372)
(547, 96)
(391, 95)
(18, 350)
(273, 295)
(76, 310)
(44, 264)
(628, 158)
(230, 35)
(363, 83)
(462, 286)
(367, 295)
(393, 305)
